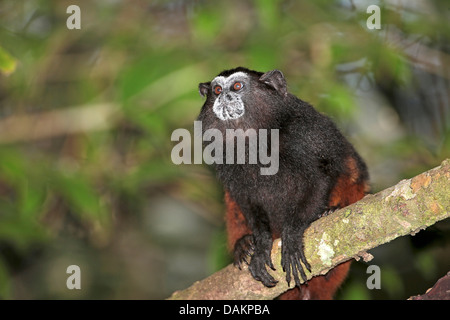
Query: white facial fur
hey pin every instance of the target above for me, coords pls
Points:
(228, 104)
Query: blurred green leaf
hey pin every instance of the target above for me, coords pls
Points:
(426, 263)
(82, 197)
(27, 180)
(7, 63)
(5, 285)
(22, 233)
(207, 22)
(268, 14)
(337, 101)
(12, 165)
(260, 58)
(157, 171)
(219, 256)
(356, 291)
(31, 199)
(391, 281)
(143, 71)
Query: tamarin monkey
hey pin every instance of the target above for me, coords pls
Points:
(318, 171)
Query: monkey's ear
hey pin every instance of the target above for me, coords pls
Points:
(275, 79)
(203, 88)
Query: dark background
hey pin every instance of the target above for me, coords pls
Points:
(86, 118)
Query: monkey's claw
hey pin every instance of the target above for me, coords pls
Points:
(243, 250)
(258, 269)
(291, 257)
(329, 211)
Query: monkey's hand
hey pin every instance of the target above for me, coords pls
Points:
(260, 257)
(291, 255)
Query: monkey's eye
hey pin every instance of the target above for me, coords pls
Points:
(217, 90)
(238, 86)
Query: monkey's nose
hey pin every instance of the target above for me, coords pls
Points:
(228, 96)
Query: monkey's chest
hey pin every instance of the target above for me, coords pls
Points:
(269, 197)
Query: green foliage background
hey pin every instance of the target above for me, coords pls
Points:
(86, 118)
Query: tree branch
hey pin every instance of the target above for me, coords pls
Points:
(406, 208)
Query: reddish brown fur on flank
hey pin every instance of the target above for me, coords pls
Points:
(235, 220)
(348, 189)
(320, 287)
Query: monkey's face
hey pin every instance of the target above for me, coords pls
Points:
(242, 98)
(228, 91)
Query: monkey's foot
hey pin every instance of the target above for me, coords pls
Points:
(258, 269)
(329, 211)
(243, 250)
(291, 255)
